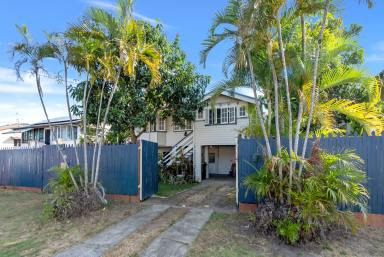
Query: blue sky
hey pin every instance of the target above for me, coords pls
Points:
(189, 19)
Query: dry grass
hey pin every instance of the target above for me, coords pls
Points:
(23, 232)
(138, 241)
(229, 235)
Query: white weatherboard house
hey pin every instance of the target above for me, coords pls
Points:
(211, 139)
(39, 134)
(9, 137)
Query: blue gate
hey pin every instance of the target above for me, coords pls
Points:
(149, 170)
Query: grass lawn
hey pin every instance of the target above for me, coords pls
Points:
(229, 235)
(166, 190)
(23, 232)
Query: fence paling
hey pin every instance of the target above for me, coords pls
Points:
(369, 148)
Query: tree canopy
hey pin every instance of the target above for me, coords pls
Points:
(137, 103)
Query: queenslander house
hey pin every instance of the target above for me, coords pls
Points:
(210, 140)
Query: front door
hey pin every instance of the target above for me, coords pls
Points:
(212, 160)
(47, 136)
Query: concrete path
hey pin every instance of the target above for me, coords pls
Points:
(176, 240)
(100, 243)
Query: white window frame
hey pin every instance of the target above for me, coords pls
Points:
(224, 115)
(242, 112)
(162, 125)
(188, 125)
(232, 110)
(177, 128)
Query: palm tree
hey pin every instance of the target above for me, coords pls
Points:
(127, 46)
(235, 20)
(62, 48)
(33, 54)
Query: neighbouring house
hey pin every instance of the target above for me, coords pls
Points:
(210, 141)
(9, 137)
(39, 134)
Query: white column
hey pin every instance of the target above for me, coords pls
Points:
(197, 162)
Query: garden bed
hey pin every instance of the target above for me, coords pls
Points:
(24, 232)
(230, 235)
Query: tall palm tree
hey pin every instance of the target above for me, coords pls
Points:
(126, 41)
(62, 48)
(235, 20)
(33, 54)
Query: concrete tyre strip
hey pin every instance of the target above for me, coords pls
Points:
(100, 243)
(175, 241)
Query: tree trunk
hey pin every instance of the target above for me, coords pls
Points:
(97, 132)
(303, 32)
(313, 92)
(133, 135)
(276, 91)
(103, 128)
(85, 133)
(269, 102)
(69, 111)
(288, 95)
(258, 107)
(61, 152)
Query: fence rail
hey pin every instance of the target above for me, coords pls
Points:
(369, 148)
(119, 166)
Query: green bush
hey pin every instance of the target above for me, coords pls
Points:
(319, 200)
(288, 230)
(179, 172)
(64, 200)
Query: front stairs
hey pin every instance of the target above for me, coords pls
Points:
(183, 148)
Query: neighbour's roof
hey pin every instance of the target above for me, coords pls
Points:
(232, 94)
(44, 123)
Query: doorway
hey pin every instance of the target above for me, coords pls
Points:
(220, 160)
(47, 136)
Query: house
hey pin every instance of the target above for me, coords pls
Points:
(210, 140)
(39, 134)
(9, 137)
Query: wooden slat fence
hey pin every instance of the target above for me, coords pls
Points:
(369, 148)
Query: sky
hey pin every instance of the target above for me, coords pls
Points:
(188, 18)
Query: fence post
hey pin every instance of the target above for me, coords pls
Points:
(140, 170)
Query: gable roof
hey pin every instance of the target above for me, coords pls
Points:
(234, 95)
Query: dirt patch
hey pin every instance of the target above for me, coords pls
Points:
(138, 241)
(24, 233)
(231, 235)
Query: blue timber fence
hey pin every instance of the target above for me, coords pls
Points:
(149, 178)
(369, 148)
(119, 166)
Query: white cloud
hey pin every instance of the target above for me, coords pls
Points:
(10, 85)
(378, 52)
(29, 111)
(110, 6)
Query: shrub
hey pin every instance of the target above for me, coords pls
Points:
(321, 199)
(64, 200)
(179, 172)
(288, 230)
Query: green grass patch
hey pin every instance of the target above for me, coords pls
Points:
(24, 232)
(166, 190)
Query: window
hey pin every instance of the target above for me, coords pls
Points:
(38, 134)
(161, 125)
(152, 127)
(224, 115)
(231, 115)
(211, 158)
(242, 112)
(218, 116)
(200, 114)
(177, 128)
(188, 125)
(211, 117)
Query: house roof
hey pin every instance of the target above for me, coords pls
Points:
(44, 123)
(234, 95)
